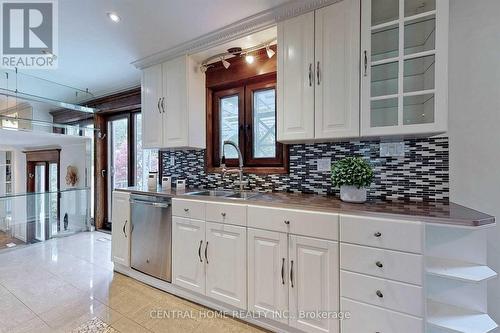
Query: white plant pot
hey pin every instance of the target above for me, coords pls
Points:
(350, 193)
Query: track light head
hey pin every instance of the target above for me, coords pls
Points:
(270, 52)
(225, 63)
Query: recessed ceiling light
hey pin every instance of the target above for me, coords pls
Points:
(114, 17)
(249, 58)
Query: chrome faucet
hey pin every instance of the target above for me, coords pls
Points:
(240, 159)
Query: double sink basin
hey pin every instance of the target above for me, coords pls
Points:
(224, 194)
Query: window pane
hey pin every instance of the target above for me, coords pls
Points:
(119, 153)
(146, 160)
(264, 123)
(229, 128)
(384, 11)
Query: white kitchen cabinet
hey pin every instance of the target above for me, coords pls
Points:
(174, 105)
(404, 74)
(337, 39)
(268, 272)
(152, 116)
(295, 117)
(226, 263)
(318, 90)
(314, 283)
(188, 262)
(120, 230)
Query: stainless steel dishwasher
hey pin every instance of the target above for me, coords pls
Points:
(151, 235)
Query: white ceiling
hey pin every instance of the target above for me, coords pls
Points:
(95, 53)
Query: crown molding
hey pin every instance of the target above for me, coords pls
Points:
(242, 28)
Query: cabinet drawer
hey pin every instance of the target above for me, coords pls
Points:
(299, 222)
(388, 234)
(369, 319)
(227, 213)
(387, 264)
(391, 295)
(190, 209)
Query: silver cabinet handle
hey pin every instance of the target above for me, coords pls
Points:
(310, 75)
(366, 63)
(379, 264)
(283, 271)
(158, 105)
(377, 234)
(317, 72)
(124, 225)
(206, 253)
(199, 251)
(163, 104)
(379, 294)
(291, 273)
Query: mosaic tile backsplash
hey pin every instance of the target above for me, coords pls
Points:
(421, 175)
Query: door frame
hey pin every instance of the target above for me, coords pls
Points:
(42, 157)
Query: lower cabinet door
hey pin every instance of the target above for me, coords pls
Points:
(188, 262)
(268, 273)
(120, 231)
(314, 284)
(226, 264)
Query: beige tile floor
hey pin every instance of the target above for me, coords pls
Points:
(61, 284)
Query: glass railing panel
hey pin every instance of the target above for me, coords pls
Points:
(28, 218)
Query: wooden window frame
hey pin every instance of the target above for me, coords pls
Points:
(244, 89)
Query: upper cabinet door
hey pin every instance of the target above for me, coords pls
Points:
(226, 263)
(404, 73)
(152, 113)
(296, 78)
(314, 283)
(268, 272)
(120, 246)
(337, 70)
(175, 120)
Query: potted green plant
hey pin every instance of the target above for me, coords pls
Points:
(353, 175)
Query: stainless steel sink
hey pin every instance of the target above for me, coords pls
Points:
(213, 193)
(243, 195)
(224, 194)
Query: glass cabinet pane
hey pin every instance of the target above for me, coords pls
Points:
(414, 7)
(418, 109)
(384, 11)
(384, 79)
(419, 74)
(385, 43)
(420, 35)
(384, 112)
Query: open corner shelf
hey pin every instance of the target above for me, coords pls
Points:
(458, 270)
(454, 319)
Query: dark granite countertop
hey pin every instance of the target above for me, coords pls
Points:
(430, 212)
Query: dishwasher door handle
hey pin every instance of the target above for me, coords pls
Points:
(153, 204)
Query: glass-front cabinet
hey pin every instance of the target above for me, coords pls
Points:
(404, 75)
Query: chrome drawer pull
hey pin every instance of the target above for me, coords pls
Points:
(186, 210)
(379, 294)
(377, 234)
(199, 251)
(287, 222)
(223, 214)
(379, 264)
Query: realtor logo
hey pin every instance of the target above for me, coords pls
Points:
(29, 34)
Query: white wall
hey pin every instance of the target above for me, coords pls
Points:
(474, 111)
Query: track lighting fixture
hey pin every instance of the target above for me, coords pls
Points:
(249, 58)
(225, 63)
(270, 52)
